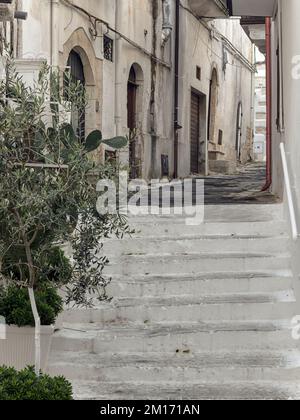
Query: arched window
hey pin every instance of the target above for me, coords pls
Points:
(76, 69)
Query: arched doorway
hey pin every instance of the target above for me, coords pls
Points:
(239, 130)
(213, 102)
(76, 69)
(134, 102)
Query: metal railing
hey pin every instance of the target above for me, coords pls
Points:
(289, 193)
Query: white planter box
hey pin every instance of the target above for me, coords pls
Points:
(18, 349)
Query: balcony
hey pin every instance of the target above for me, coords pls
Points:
(209, 8)
(264, 8)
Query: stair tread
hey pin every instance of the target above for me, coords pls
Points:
(243, 390)
(254, 359)
(200, 255)
(204, 237)
(212, 299)
(204, 276)
(99, 330)
(283, 296)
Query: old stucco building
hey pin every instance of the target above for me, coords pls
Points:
(125, 53)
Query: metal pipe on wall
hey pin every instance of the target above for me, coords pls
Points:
(118, 67)
(176, 89)
(51, 32)
(54, 33)
(269, 105)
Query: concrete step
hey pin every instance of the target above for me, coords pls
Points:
(201, 283)
(162, 228)
(195, 263)
(200, 390)
(250, 244)
(242, 307)
(184, 368)
(222, 213)
(172, 337)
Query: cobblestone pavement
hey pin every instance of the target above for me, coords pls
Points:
(242, 188)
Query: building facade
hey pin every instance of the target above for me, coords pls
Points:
(278, 38)
(260, 126)
(125, 52)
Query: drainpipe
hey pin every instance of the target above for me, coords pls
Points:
(176, 89)
(54, 33)
(51, 32)
(269, 105)
(118, 67)
(153, 116)
(167, 26)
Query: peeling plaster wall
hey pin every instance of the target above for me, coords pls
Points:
(156, 95)
(235, 85)
(155, 102)
(70, 31)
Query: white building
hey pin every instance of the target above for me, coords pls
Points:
(281, 42)
(260, 110)
(125, 53)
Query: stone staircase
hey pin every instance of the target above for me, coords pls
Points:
(199, 312)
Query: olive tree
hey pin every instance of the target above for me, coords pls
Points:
(48, 189)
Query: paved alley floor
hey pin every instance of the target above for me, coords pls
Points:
(242, 188)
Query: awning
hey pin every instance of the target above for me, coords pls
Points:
(252, 7)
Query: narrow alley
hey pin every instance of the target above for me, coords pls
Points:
(150, 202)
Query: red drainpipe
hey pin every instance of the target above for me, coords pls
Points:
(269, 105)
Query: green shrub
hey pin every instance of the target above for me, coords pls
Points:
(16, 309)
(25, 385)
(54, 266)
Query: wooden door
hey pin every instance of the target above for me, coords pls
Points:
(131, 109)
(195, 132)
(77, 73)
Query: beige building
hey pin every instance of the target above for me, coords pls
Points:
(124, 51)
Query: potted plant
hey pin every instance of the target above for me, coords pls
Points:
(48, 198)
(18, 349)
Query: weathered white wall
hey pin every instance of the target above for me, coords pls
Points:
(135, 20)
(235, 84)
(291, 103)
(69, 30)
(260, 110)
(137, 25)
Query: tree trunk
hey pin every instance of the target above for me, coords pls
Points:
(37, 332)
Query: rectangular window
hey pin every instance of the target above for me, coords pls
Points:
(108, 47)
